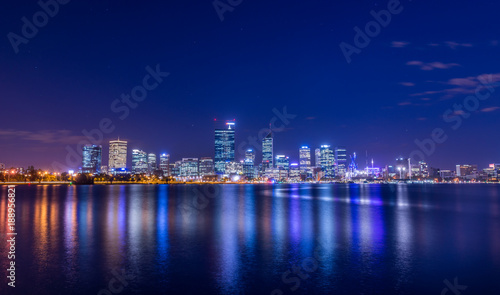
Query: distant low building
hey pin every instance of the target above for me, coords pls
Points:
(189, 167)
(466, 170)
(92, 159)
(206, 166)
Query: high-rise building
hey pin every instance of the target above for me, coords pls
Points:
(175, 169)
(224, 146)
(139, 161)
(305, 159)
(249, 164)
(206, 166)
(234, 168)
(117, 155)
(267, 151)
(424, 169)
(165, 164)
(152, 163)
(189, 167)
(282, 162)
(341, 161)
(250, 155)
(92, 159)
(294, 174)
(317, 158)
(327, 160)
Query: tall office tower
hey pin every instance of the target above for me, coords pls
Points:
(353, 166)
(152, 163)
(424, 169)
(294, 174)
(283, 163)
(189, 167)
(224, 146)
(175, 169)
(267, 151)
(117, 155)
(206, 166)
(327, 160)
(249, 169)
(139, 161)
(341, 160)
(92, 159)
(317, 158)
(305, 159)
(250, 155)
(165, 164)
(249, 164)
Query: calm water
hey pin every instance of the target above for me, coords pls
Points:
(255, 239)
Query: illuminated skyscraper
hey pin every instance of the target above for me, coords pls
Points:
(267, 151)
(224, 146)
(305, 159)
(165, 164)
(139, 161)
(317, 158)
(282, 162)
(327, 160)
(152, 163)
(249, 164)
(189, 167)
(341, 160)
(294, 173)
(117, 155)
(92, 159)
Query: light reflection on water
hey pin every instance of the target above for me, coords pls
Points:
(395, 239)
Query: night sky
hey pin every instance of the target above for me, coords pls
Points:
(264, 55)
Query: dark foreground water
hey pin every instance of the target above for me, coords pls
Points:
(254, 239)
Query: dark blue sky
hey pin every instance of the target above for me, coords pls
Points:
(263, 55)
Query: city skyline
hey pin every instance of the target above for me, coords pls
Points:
(119, 158)
(394, 91)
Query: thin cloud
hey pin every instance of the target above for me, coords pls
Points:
(464, 86)
(451, 44)
(431, 65)
(42, 136)
(454, 45)
(399, 44)
(408, 84)
(490, 109)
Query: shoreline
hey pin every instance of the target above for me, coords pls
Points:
(223, 183)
